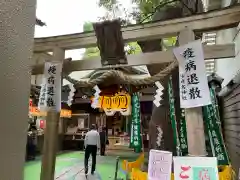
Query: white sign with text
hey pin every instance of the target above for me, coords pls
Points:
(193, 168)
(160, 165)
(194, 90)
(50, 94)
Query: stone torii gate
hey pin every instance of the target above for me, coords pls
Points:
(16, 40)
(183, 27)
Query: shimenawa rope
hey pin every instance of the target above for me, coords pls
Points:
(120, 76)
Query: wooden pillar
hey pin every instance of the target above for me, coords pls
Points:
(16, 47)
(51, 133)
(194, 117)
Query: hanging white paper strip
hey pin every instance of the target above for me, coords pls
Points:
(159, 136)
(194, 91)
(160, 165)
(50, 94)
(159, 93)
(95, 100)
(71, 94)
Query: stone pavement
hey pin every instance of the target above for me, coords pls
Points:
(76, 172)
(70, 166)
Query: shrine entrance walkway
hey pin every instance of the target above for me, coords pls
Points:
(70, 166)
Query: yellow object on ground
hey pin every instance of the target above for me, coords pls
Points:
(128, 166)
(139, 175)
(227, 173)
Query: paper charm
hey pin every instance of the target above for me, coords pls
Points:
(71, 94)
(96, 97)
(159, 136)
(159, 93)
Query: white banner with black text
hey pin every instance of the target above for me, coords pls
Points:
(194, 91)
(50, 94)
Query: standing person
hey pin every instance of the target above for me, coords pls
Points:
(32, 142)
(103, 140)
(92, 144)
(29, 141)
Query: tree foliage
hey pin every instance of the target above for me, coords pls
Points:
(92, 51)
(133, 48)
(87, 26)
(141, 11)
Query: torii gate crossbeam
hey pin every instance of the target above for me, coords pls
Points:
(214, 20)
(205, 22)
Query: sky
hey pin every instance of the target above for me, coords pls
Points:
(67, 17)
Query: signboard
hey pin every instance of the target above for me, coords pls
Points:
(183, 133)
(34, 111)
(110, 132)
(173, 116)
(194, 91)
(81, 123)
(195, 168)
(50, 94)
(135, 139)
(120, 102)
(160, 165)
(213, 126)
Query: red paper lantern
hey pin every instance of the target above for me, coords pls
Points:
(42, 124)
(30, 105)
(30, 102)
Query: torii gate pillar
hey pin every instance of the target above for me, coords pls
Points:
(194, 117)
(51, 132)
(16, 48)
